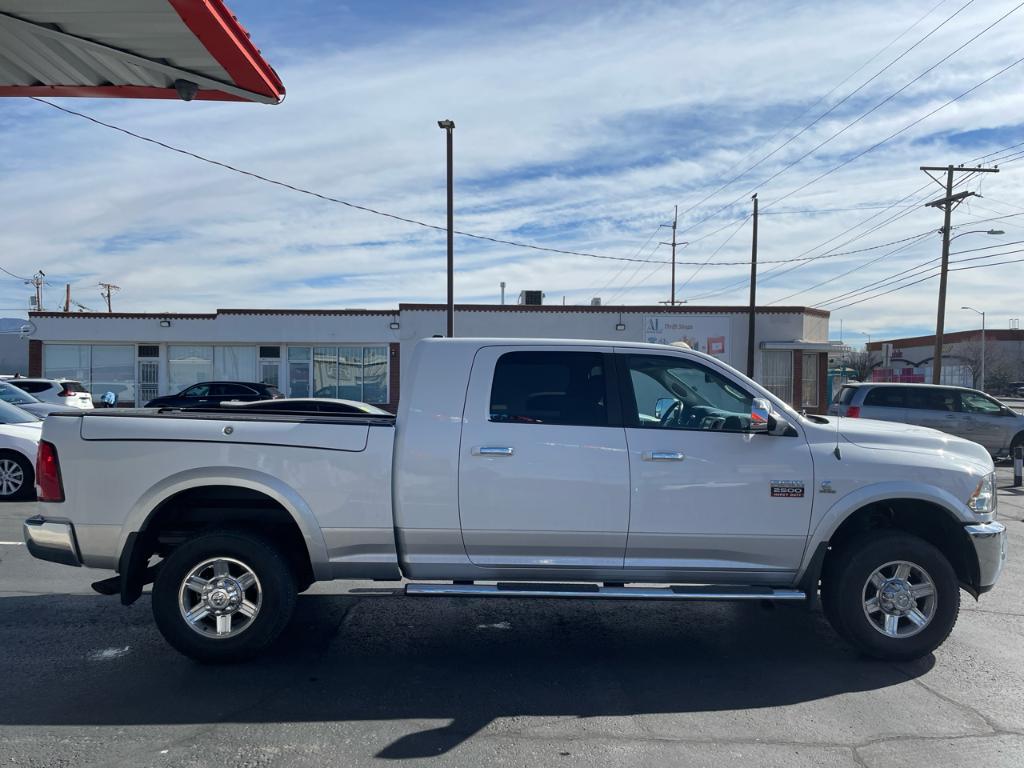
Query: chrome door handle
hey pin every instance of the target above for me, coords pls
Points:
(492, 450)
(662, 456)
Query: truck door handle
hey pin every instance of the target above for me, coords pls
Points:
(492, 450)
(662, 456)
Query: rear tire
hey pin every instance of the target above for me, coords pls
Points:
(892, 595)
(17, 477)
(223, 596)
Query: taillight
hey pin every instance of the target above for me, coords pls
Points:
(49, 485)
(853, 411)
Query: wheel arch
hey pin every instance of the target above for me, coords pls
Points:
(248, 499)
(925, 518)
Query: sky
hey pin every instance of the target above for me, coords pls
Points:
(580, 126)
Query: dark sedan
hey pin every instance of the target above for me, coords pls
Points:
(211, 393)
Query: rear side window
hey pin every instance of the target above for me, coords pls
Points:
(550, 388)
(846, 395)
(32, 387)
(932, 399)
(886, 397)
(73, 386)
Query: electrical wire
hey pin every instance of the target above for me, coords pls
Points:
(827, 112)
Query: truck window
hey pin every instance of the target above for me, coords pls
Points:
(550, 388)
(673, 393)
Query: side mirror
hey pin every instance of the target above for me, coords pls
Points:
(760, 413)
(661, 407)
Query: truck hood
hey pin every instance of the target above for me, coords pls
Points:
(895, 436)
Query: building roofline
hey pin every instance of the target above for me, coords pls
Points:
(992, 334)
(543, 308)
(216, 314)
(688, 309)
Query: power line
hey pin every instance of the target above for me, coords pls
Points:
(824, 114)
(311, 193)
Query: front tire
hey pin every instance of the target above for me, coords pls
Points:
(893, 595)
(223, 596)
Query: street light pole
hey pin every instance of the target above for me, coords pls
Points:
(978, 311)
(448, 126)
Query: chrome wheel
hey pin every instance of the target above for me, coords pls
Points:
(12, 477)
(220, 597)
(899, 599)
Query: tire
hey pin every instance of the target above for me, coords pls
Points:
(892, 595)
(17, 477)
(239, 575)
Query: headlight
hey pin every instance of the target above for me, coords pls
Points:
(984, 500)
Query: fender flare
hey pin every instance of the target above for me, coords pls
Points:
(132, 565)
(838, 513)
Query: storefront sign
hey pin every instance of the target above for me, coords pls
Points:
(705, 334)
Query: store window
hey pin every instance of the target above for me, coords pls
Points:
(809, 376)
(350, 372)
(777, 373)
(188, 365)
(234, 363)
(101, 368)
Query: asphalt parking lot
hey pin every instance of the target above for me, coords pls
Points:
(363, 677)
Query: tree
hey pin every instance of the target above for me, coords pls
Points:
(860, 361)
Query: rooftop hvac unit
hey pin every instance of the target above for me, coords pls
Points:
(596, 301)
(531, 298)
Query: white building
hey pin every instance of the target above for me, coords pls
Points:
(359, 353)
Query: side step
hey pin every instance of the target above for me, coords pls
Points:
(516, 589)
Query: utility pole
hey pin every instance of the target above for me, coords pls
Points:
(947, 204)
(448, 126)
(67, 297)
(672, 293)
(108, 290)
(753, 295)
(37, 282)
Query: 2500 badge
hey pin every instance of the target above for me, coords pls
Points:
(787, 489)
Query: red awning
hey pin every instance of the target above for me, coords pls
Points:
(143, 49)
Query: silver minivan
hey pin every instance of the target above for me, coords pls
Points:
(959, 411)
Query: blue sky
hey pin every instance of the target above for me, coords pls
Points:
(579, 126)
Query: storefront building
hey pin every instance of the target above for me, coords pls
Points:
(359, 354)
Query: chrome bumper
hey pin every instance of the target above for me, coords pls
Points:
(51, 540)
(989, 540)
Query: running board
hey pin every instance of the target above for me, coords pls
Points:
(515, 589)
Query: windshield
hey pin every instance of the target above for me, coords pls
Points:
(12, 414)
(11, 394)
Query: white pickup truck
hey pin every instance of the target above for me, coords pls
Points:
(525, 468)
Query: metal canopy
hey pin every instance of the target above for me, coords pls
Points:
(155, 49)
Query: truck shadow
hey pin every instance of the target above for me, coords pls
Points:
(84, 660)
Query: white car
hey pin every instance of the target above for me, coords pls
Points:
(60, 391)
(19, 444)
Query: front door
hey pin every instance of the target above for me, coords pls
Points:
(543, 470)
(709, 496)
(986, 420)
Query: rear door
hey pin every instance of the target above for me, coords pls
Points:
(543, 470)
(885, 404)
(935, 407)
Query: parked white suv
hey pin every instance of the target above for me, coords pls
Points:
(60, 391)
